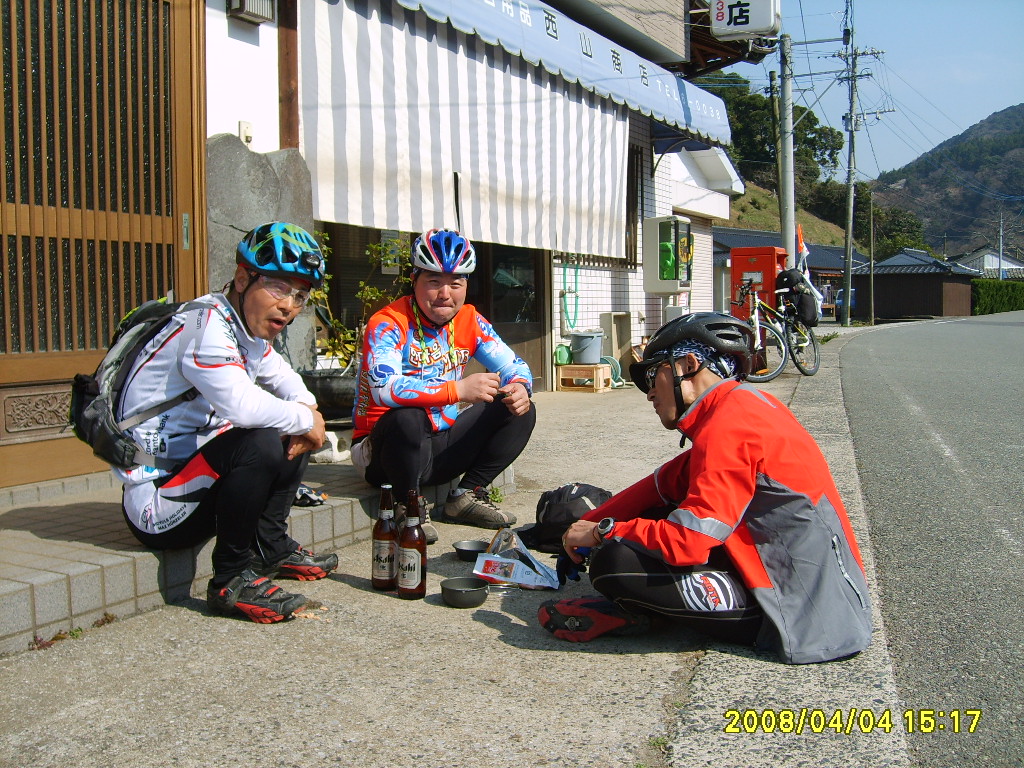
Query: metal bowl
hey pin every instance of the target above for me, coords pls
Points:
(464, 591)
(468, 550)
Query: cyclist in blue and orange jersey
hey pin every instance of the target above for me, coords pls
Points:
(411, 429)
(743, 537)
(230, 459)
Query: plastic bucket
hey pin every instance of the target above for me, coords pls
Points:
(586, 347)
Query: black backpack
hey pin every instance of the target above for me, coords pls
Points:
(557, 510)
(791, 280)
(95, 399)
(794, 281)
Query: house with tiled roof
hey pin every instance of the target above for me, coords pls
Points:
(913, 283)
(992, 265)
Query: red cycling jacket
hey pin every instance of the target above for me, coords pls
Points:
(756, 483)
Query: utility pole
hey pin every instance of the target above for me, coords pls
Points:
(851, 165)
(773, 99)
(787, 181)
(852, 121)
(871, 255)
(1000, 243)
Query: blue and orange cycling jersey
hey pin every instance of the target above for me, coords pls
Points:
(409, 365)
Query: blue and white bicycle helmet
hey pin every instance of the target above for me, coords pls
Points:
(443, 250)
(282, 250)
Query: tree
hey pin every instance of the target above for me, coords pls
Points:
(896, 229)
(816, 147)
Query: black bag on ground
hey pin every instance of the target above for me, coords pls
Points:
(95, 398)
(557, 510)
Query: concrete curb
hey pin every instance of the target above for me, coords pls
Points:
(67, 559)
(731, 688)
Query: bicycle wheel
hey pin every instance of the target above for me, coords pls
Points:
(770, 356)
(803, 347)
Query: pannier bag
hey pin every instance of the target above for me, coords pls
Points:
(95, 398)
(795, 282)
(557, 510)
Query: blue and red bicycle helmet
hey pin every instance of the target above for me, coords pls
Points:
(282, 250)
(443, 250)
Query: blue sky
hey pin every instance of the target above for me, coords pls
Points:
(946, 66)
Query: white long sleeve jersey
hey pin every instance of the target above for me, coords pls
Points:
(242, 382)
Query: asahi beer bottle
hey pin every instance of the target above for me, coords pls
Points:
(384, 572)
(412, 553)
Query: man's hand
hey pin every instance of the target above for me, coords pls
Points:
(312, 440)
(517, 398)
(582, 535)
(478, 388)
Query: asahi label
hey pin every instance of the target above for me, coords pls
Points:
(384, 553)
(410, 568)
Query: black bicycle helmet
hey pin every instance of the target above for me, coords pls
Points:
(723, 333)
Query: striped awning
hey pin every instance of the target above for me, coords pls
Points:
(408, 123)
(542, 35)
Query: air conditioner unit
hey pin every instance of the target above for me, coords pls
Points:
(253, 11)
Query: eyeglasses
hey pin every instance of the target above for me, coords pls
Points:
(280, 290)
(652, 373)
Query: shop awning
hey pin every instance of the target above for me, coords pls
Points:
(543, 36)
(409, 124)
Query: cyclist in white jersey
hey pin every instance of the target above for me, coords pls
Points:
(240, 446)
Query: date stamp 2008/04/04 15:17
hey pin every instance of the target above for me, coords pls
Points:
(803, 720)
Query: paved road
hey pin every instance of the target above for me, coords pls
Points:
(936, 413)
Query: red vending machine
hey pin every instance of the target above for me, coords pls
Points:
(761, 265)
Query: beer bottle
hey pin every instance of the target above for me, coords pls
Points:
(384, 572)
(412, 553)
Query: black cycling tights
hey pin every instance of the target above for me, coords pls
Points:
(240, 485)
(484, 440)
(711, 598)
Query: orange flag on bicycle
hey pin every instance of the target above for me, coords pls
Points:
(801, 248)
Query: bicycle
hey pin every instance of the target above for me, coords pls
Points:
(783, 328)
(771, 353)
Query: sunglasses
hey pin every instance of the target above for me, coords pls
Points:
(652, 373)
(280, 290)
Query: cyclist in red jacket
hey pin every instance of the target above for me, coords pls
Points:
(742, 537)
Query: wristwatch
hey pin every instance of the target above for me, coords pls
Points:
(605, 527)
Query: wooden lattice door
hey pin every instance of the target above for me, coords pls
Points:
(100, 186)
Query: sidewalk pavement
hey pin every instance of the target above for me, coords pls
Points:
(369, 679)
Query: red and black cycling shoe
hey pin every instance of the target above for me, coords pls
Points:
(301, 565)
(255, 597)
(580, 620)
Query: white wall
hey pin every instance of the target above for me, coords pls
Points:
(241, 77)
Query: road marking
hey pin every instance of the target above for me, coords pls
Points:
(922, 419)
(1016, 546)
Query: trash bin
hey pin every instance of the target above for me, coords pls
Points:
(586, 347)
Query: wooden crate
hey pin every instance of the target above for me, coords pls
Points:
(600, 377)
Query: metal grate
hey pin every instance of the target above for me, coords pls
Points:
(86, 220)
(253, 11)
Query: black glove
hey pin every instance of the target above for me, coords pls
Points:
(567, 570)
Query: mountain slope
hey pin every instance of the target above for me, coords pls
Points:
(959, 188)
(758, 208)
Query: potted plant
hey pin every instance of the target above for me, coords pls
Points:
(333, 380)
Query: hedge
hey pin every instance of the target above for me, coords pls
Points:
(991, 296)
